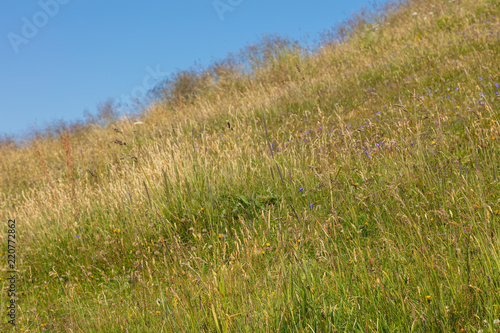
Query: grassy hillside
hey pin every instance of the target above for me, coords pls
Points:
(352, 190)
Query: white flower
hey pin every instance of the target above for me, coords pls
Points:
(496, 322)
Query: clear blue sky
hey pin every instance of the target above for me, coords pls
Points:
(59, 57)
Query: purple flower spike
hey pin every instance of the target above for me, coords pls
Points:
(310, 206)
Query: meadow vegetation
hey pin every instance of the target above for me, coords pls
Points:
(350, 189)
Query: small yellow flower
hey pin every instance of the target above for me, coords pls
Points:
(268, 244)
(263, 251)
(428, 298)
(202, 209)
(355, 184)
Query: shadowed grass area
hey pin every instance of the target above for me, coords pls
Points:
(354, 189)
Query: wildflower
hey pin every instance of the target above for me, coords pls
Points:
(355, 184)
(411, 143)
(428, 298)
(301, 189)
(496, 322)
(311, 206)
(202, 209)
(268, 244)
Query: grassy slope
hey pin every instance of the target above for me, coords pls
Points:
(376, 211)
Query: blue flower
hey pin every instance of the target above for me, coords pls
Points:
(310, 206)
(301, 189)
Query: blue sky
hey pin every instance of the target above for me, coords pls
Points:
(59, 57)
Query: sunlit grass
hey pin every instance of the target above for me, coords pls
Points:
(369, 200)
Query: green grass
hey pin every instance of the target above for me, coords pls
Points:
(390, 226)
